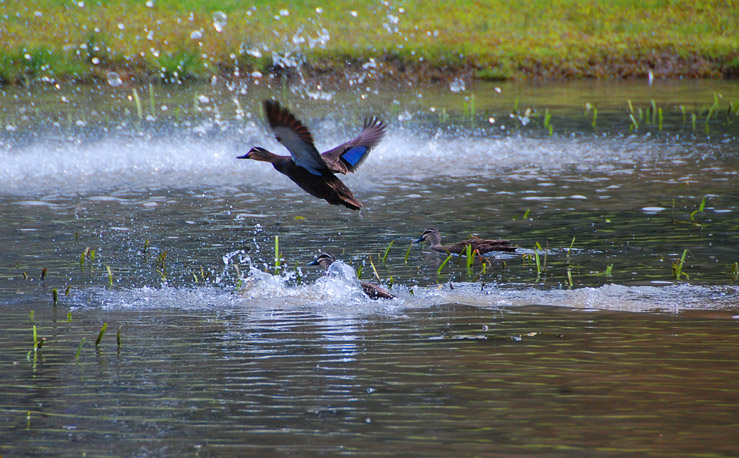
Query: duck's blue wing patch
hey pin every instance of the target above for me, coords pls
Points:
(354, 155)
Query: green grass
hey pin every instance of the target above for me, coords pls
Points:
(57, 39)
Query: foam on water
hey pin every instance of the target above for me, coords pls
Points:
(338, 292)
(192, 162)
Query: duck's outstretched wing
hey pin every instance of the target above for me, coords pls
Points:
(295, 137)
(348, 156)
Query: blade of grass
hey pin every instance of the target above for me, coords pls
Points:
(100, 334)
(438, 271)
(387, 250)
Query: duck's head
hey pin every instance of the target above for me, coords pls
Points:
(428, 234)
(258, 154)
(324, 259)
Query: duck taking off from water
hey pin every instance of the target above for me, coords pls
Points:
(370, 289)
(482, 246)
(312, 171)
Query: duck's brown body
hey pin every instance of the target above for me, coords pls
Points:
(370, 289)
(314, 172)
(482, 246)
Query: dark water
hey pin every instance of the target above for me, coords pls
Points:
(603, 351)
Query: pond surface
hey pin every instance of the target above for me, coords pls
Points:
(621, 339)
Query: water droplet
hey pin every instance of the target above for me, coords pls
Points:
(114, 79)
(203, 99)
(457, 85)
(81, 4)
(219, 21)
(491, 120)
(150, 35)
(256, 74)
(254, 52)
(80, 123)
(150, 3)
(38, 14)
(196, 35)
(10, 128)
(121, 26)
(95, 60)
(27, 56)
(498, 90)
(284, 13)
(354, 13)
(319, 10)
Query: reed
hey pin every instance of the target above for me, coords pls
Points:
(735, 270)
(547, 118)
(609, 269)
(69, 317)
(54, 296)
(110, 275)
(569, 277)
(31, 314)
(659, 120)
(161, 265)
(118, 336)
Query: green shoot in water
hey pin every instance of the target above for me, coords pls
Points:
(35, 339)
(68, 290)
(151, 99)
(54, 296)
(682, 110)
(69, 317)
(359, 271)
(138, 104)
(438, 271)
(569, 250)
(700, 209)
(609, 268)
(110, 275)
(277, 253)
(100, 334)
(595, 115)
(735, 270)
(525, 215)
(634, 125)
(631, 107)
(31, 314)
(374, 270)
(387, 250)
(654, 112)
(677, 267)
(162, 265)
(79, 350)
(470, 258)
(693, 119)
(659, 116)
(547, 118)
(408, 252)
(118, 336)
(83, 256)
(569, 277)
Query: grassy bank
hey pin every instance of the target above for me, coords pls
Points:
(180, 40)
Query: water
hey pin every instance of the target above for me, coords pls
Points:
(222, 354)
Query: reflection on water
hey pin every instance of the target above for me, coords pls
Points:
(156, 228)
(443, 380)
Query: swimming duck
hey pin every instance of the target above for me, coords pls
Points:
(480, 245)
(312, 171)
(370, 289)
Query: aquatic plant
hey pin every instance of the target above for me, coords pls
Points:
(110, 275)
(136, 99)
(407, 252)
(677, 267)
(609, 269)
(470, 257)
(79, 350)
(374, 269)
(699, 210)
(100, 334)
(387, 250)
(278, 262)
(161, 265)
(69, 317)
(438, 271)
(735, 270)
(54, 295)
(569, 277)
(118, 336)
